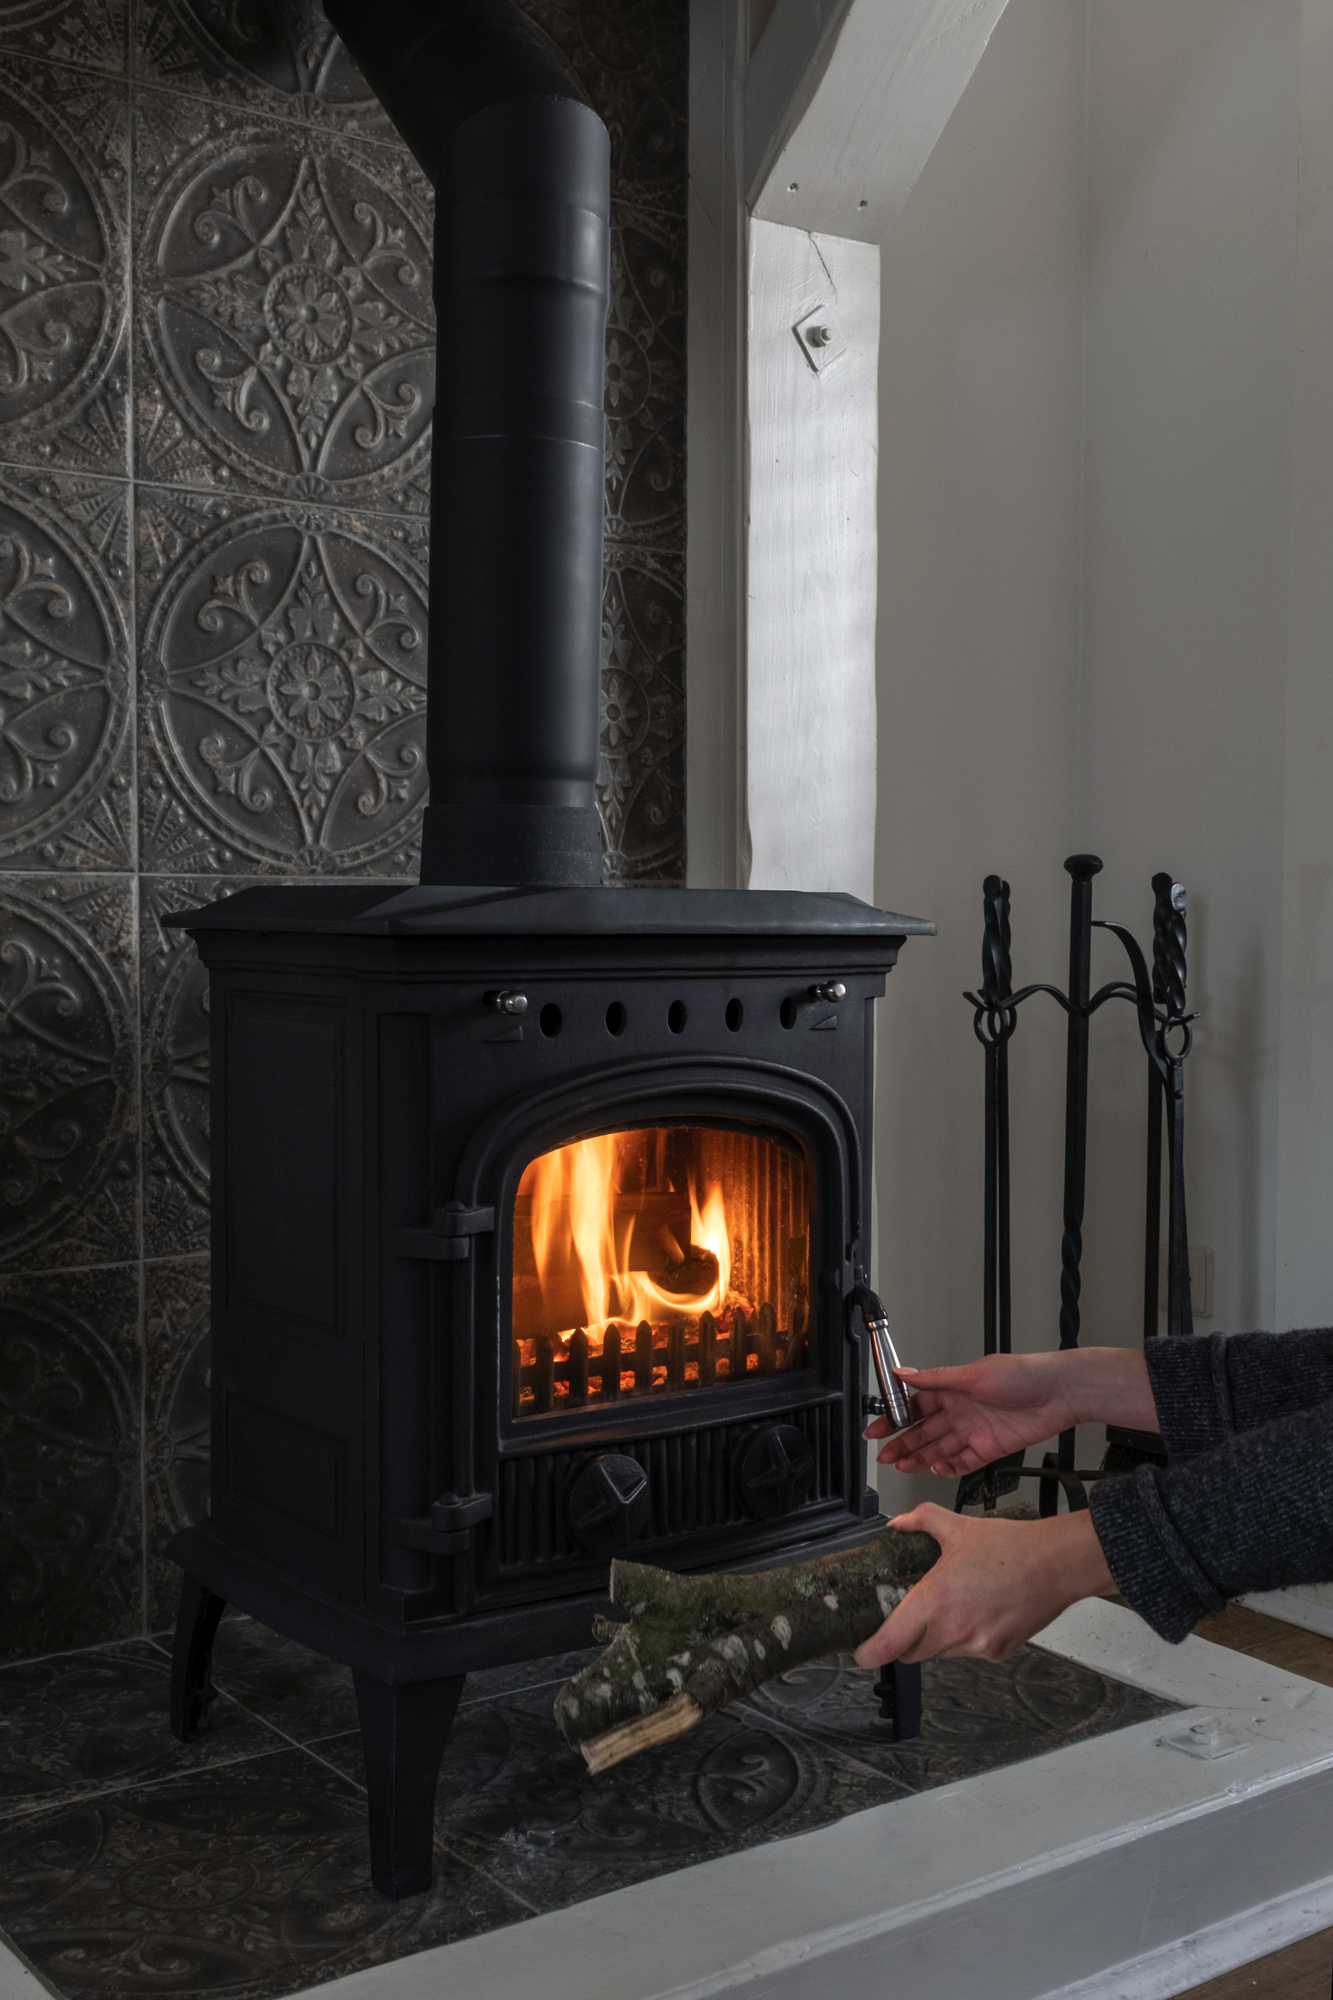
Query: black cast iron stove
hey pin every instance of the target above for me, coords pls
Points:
(537, 1206)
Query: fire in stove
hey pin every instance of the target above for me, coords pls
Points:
(657, 1260)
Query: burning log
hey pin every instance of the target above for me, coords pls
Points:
(695, 1643)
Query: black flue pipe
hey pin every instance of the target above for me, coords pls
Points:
(521, 169)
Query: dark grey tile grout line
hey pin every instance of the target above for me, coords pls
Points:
(263, 113)
(82, 1795)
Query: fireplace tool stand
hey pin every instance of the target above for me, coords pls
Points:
(1165, 1029)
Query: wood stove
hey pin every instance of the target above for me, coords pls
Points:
(443, 1394)
(537, 1206)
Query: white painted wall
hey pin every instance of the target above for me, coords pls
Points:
(1305, 1060)
(1105, 621)
(1191, 267)
(980, 373)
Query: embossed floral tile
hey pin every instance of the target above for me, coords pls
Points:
(64, 248)
(68, 1078)
(174, 1047)
(176, 1419)
(71, 1564)
(91, 33)
(645, 382)
(641, 768)
(285, 61)
(282, 698)
(282, 296)
(66, 751)
(518, 1803)
(243, 1882)
(632, 58)
(78, 1723)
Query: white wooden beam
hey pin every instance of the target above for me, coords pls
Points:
(845, 100)
(810, 698)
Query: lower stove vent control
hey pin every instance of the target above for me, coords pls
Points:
(607, 1504)
(775, 1471)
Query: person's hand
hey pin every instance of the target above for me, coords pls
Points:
(968, 1417)
(995, 1584)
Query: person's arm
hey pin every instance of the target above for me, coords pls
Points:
(972, 1415)
(1254, 1513)
(1208, 1388)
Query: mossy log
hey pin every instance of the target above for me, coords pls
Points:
(694, 1643)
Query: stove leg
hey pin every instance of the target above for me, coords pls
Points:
(192, 1686)
(403, 1732)
(898, 1691)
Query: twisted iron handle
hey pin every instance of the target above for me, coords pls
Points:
(1169, 937)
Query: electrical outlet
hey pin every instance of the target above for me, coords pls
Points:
(1201, 1280)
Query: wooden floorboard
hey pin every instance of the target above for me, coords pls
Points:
(1302, 1971)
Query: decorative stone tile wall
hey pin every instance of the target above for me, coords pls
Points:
(215, 394)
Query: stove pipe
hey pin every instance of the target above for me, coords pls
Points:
(521, 168)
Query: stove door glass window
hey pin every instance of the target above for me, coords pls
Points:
(658, 1261)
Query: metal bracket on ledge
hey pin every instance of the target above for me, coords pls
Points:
(447, 1529)
(449, 1238)
(1207, 1738)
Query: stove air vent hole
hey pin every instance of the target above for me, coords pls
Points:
(677, 1016)
(790, 1011)
(616, 1018)
(550, 1020)
(735, 1015)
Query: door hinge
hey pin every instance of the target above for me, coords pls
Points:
(447, 1529)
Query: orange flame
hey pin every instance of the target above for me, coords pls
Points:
(573, 1197)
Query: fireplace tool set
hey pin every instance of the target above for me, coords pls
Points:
(541, 1211)
(1164, 1027)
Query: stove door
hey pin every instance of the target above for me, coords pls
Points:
(661, 1356)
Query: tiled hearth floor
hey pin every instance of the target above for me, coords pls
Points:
(238, 1866)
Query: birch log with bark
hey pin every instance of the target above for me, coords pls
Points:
(694, 1643)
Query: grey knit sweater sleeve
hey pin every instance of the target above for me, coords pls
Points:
(1246, 1501)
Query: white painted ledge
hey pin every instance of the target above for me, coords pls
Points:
(1118, 1869)
(16, 1982)
(1310, 1606)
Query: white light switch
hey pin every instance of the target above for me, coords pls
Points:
(1201, 1280)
